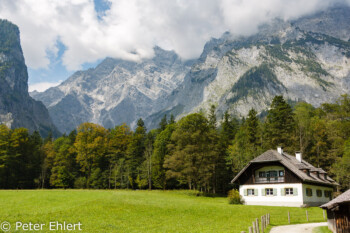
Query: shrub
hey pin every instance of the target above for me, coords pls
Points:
(234, 197)
(80, 183)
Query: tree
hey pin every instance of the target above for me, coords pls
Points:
(172, 119)
(90, 146)
(212, 117)
(119, 140)
(242, 150)
(192, 153)
(303, 114)
(63, 171)
(163, 123)
(342, 167)
(252, 126)
(135, 153)
(145, 176)
(161, 143)
(280, 125)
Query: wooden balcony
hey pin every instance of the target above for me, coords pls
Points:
(261, 180)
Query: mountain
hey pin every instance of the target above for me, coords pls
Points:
(307, 59)
(115, 92)
(304, 60)
(17, 108)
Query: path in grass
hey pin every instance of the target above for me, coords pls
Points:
(140, 211)
(299, 228)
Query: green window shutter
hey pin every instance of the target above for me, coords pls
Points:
(245, 192)
(275, 192)
(295, 191)
(283, 192)
(262, 192)
(255, 192)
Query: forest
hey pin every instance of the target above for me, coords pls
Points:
(197, 152)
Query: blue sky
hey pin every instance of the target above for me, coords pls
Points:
(60, 37)
(56, 72)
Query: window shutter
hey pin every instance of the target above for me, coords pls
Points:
(275, 192)
(255, 192)
(262, 192)
(245, 192)
(295, 191)
(283, 192)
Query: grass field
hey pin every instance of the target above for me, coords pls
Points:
(321, 230)
(139, 211)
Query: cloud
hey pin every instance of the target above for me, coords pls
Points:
(43, 86)
(129, 29)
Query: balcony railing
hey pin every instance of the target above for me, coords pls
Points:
(269, 179)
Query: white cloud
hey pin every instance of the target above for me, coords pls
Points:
(131, 28)
(43, 86)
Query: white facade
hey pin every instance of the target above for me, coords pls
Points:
(280, 197)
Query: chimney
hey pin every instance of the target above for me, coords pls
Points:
(280, 149)
(298, 156)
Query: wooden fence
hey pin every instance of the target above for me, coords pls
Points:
(265, 221)
(256, 228)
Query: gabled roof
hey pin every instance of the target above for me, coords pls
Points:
(292, 164)
(343, 198)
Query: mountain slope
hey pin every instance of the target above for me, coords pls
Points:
(115, 92)
(305, 59)
(238, 74)
(17, 108)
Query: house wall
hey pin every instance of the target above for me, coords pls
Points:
(278, 200)
(284, 200)
(314, 200)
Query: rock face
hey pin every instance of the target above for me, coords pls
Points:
(17, 108)
(307, 59)
(115, 92)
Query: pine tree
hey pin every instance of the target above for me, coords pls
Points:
(252, 124)
(135, 153)
(280, 125)
(163, 123)
(212, 117)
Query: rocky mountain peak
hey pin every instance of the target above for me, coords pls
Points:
(17, 108)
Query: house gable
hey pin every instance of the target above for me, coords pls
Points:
(250, 176)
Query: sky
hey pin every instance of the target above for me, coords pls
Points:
(59, 37)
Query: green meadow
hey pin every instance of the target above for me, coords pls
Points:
(138, 211)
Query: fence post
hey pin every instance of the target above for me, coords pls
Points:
(254, 227)
(288, 217)
(257, 225)
(307, 216)
(262, 223)
(251, 230)
(324, 214)
(242, 231)
(268, 218)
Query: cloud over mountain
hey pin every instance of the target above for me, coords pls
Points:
(129, 29)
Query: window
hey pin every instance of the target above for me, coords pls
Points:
(262, 174)
(273, 173)
(281, 173)
(319, 193)
(251, 192)
(269, 192)
(308, 192)
(289, 191)
(327, 193)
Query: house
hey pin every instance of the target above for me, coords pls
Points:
(338, 213)
(276, 178)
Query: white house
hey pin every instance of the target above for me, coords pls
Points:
(276, 178)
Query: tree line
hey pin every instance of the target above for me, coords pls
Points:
(197, 152)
